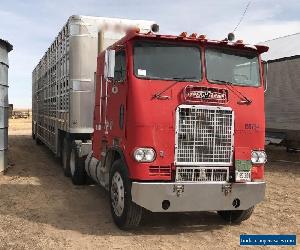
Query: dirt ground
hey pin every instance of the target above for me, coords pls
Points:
(41, 209)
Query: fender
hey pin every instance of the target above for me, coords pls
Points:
(111, 156)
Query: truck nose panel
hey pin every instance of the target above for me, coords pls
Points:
(191, 197)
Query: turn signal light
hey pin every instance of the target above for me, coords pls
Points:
(257, 172)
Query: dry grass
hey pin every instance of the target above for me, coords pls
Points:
(41, 209)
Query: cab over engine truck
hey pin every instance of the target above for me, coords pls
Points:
(178, 127)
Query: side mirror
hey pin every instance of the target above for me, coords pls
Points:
(109, 64)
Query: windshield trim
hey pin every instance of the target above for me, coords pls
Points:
(212, 81)
(182, 44)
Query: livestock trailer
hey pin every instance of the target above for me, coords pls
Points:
(63, 80)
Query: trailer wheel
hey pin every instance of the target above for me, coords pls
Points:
(236, 216)
(65, 156)
(126, 214)
(77, 170)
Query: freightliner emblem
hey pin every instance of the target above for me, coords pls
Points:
(204, 94)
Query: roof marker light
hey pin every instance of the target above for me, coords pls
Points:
(202, 37)
(133, 30)
(193, 35)
(183, 34)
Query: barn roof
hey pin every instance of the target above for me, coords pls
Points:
(282, 47)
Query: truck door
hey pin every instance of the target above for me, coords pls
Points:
(112, 107)
(114, 129)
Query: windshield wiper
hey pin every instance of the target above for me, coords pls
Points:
(177, 79)
(243, 98)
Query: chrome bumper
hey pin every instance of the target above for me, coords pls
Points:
(188, 197)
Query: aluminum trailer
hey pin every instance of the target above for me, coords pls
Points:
(63, 80)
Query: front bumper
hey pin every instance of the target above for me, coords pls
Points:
(189, 197)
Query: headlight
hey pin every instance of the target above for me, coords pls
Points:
(144, 154)
(258, 157)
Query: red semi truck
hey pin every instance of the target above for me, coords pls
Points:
(167, 123)
(179, 126)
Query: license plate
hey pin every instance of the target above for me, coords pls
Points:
(242, 176)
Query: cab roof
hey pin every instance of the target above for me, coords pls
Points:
(194, 38)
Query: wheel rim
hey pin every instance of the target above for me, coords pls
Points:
(117, 194)
(72, 162)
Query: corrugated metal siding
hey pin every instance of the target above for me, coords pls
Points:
(5, 47)
(282, 101)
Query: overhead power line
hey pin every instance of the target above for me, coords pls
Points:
(242, 17)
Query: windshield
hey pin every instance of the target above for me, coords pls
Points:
(231, 66)
(167, 61)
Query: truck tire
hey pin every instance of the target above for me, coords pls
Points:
(65, 157)
(78, 174)
(38, 141)
(126, 214)
(32, 131)
(236, 216)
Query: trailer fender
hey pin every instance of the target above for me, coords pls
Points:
(84, 148)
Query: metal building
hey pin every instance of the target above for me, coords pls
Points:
(5, 47)
(282, 102)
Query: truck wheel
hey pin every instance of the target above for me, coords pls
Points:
(126, 214)
(65, 155)
(77, 170)
(38, 141)
(236, 216)
(32, 131)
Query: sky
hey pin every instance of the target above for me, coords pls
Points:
(31, 25)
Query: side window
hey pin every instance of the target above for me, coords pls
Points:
(120, 66)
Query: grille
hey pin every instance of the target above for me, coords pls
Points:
(204, 135)
(202, 174)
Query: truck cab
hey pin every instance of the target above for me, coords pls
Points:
(179, 126)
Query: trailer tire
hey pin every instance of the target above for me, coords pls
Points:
(236, 216)
(65, 157)
(78, 174)
(126, 214)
